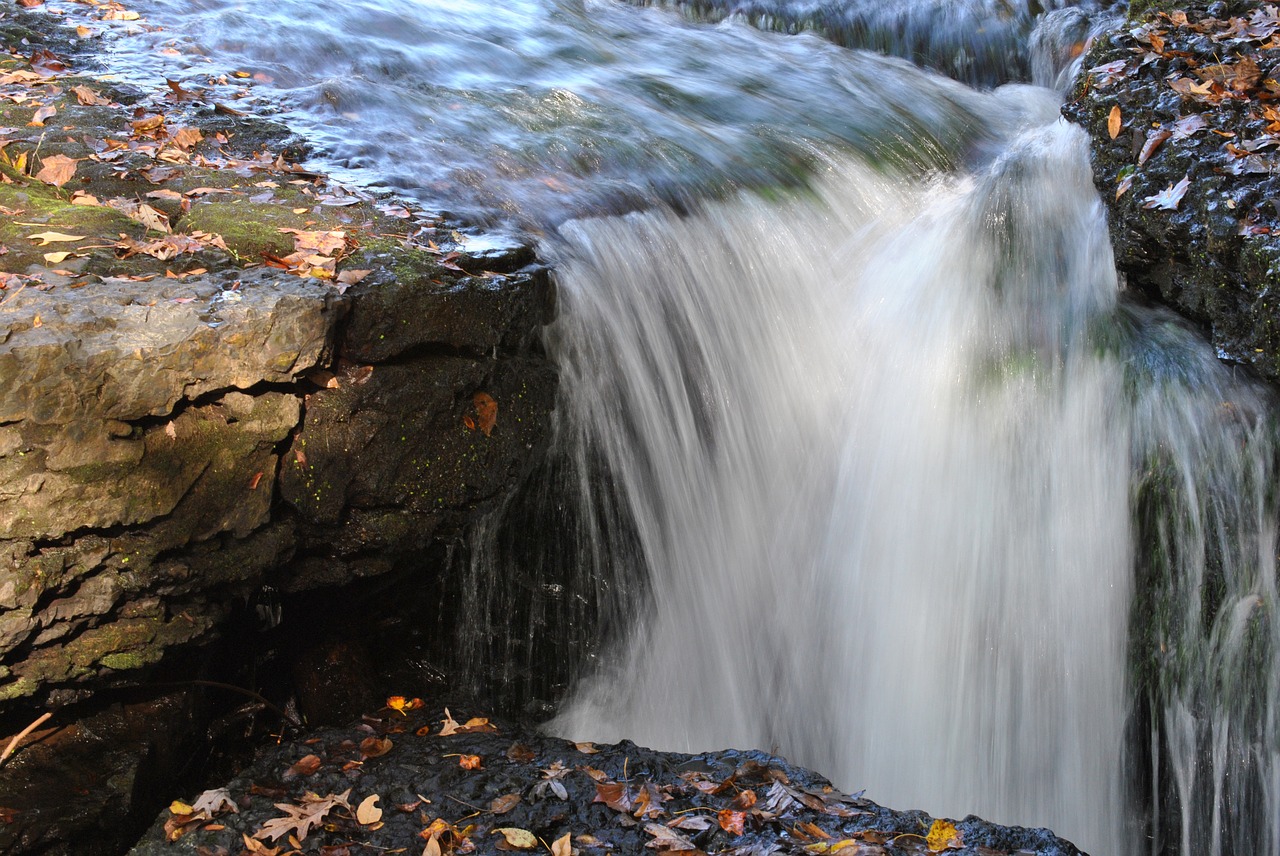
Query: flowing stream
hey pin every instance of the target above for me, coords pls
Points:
(863, 455)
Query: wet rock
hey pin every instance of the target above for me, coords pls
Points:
(179, 421)
(1190, 89)
(462, 789)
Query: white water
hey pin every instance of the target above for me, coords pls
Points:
(880, 463)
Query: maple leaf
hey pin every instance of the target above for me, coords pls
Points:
(615, 795)
(299, 819)
(1168, 199)
(56, 170)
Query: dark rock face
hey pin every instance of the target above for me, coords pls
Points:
(1194, 91)
(461, 788)
(142, 490)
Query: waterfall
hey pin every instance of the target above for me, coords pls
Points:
(866, 476)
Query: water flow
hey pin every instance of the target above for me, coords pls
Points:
(878, 449)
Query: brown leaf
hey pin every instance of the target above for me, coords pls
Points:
(486, 412)
(148, 125)
(185, 138)
(1113, 122)
(57, 170)
(300, 818)
(88, 98)
(562, 846)
(46, 112)
(520, 753)
(305, 766)
(665, 838)
(1155, 137)
(504, 804)
(615, 795)
(375, 747)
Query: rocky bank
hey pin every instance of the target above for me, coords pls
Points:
(1180, 102)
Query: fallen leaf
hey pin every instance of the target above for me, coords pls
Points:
(943, 835)
(469, 762)
(375, 747)
(88, 98)
(368, 813)
(304, 766)
(615, 795)
(1168, 199)
(56, 258)
(516, 838)
(586, 748)
(56, 170)
(351, 277)
(300, 818)
(504, 804)
(1155, 137)
(432, 848)
(216, 800)
(46, 238)
(39, 117)
(562, 846)
(731, 821)
(1113, 122)
(486, 412)
(665, 838)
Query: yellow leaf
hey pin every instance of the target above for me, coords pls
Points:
(943, 835)
(561, 846)
(47, 238)
(56, 258)
(179, 807)
(1113, 122)
(520, 839)
(367, 813)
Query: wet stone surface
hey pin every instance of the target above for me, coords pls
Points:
(1180, 103)
(455, 793)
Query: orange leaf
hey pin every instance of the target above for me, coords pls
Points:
(731, 821)
(1113, 122)
(486, 412)
(469, 762)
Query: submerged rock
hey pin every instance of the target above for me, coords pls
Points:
(492, 787)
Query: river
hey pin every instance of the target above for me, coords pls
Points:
(863, 454)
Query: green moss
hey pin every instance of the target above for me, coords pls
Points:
(123, 661)
(19, 688)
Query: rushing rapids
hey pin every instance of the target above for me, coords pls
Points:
(864, 455)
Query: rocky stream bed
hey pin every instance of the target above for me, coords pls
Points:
(226, 380)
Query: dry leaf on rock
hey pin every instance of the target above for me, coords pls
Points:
(368, 813)
(516, 839)
(47, 238)
(57, 170)
(299, 819)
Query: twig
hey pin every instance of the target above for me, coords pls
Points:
(13, 744)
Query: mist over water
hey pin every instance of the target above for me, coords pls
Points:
(863, 455)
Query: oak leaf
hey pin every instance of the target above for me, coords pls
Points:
(299, 819)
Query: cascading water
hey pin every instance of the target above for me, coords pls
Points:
(862, 454)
